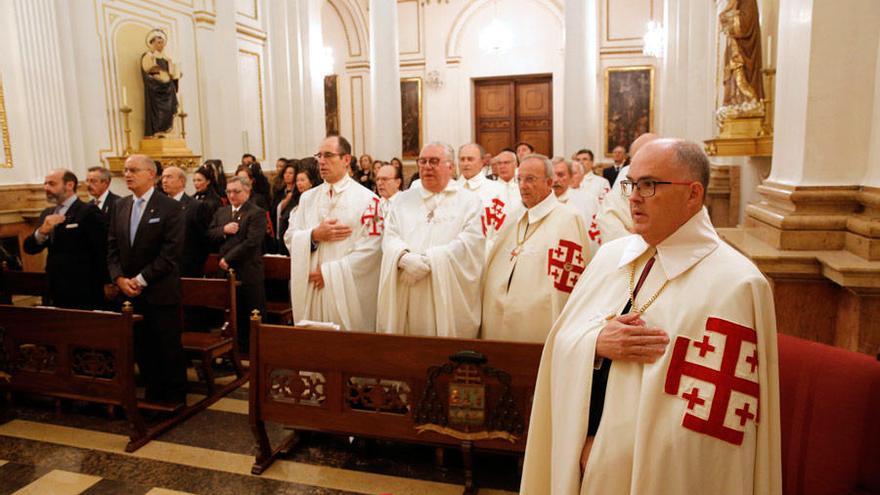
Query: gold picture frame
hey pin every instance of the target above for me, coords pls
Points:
(629, 105)
(411, 116)
(4, 131)
(331, 105)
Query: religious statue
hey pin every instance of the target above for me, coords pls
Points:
(161, 78)
(743, 82)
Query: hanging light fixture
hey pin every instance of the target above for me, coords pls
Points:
(496, 38)
(652, 42)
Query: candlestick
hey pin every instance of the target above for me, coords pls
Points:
(769, 51)
(124, 96)
(126, 110)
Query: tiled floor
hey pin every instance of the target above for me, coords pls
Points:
(82, 451)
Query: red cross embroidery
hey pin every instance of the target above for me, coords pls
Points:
(373, 219)
(594, 232)
(725, 380)
(493, 216)
(753, 360)
(704, 346)
(565, 264)
(693, 398)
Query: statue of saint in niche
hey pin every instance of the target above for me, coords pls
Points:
(161, 76)
(743, 81)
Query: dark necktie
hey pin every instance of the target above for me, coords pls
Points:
(600, 376)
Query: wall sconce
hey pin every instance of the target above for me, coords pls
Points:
(652, 42)
(433, 80)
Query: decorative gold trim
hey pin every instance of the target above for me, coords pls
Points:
(4, 130)
(351, 53)
(418, 80)
(259, 59)
(255, 8)
(461, 435)
(250, 31)
(608, 22)
(608, 72)
(357, 65)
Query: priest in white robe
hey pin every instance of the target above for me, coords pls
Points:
(683, 327)
(505, 165)
(335, 240)
(432, 255)
(537, 259)
(496, 211)
(583, 177)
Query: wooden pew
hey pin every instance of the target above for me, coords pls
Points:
(276, 270)
(16, 283)
(473, 394)
(217, 294)
(73, 354)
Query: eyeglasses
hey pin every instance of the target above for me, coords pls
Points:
(432, 162)
(132, 170)
(326, 155)
(646, 187)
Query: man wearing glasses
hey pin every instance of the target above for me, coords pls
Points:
(335, 236)
(681, 328)
(432, 255)
(144, 245)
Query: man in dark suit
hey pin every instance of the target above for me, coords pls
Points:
(239, 229)
(196, 216)
(143, 251)
(619, 156)
(98, 182)
(75, 234)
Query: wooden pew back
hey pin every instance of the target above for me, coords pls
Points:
(86, 355)
(390, 386)
(15, 283)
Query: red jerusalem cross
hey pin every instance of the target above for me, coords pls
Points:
(594, 232)
(565, 263)
(372, 219)
(725, 379)
(494, 216)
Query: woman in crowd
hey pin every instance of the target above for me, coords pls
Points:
(363, 174)
(257, 197)
(285, 200)
(204, 182)
(218, 178)
(259, 182)
(277, 183)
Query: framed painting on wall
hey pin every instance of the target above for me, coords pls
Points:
(411, 116)
(331, 104)
(629, 105)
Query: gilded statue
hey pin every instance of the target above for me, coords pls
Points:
(161, 77)
(743, 81)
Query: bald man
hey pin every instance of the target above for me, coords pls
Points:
(196, 218)
(75, 235)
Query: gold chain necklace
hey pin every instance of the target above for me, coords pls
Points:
(528, 235)
(632, 297)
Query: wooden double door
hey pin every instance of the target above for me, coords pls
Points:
(508, 110)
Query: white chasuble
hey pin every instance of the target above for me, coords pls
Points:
(496, 211)
(445, 228)
(595, 185)
(349, 267)
(535, 263)
(704, 418)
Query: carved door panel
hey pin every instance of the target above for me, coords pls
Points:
(508, 110)
(534, 114)
(494, 101)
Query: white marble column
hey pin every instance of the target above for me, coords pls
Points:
(825, 90)
(385, 117)
(40, 52)
(581, 115)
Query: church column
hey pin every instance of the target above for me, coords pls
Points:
(384, 81)
(581, 77)
(40, 63)
(813, 233)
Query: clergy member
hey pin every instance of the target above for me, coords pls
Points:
(684, 325)
(432, 255)
(537, 259)
(584, 178)
(335, 236)
(492, 194)
(582, 201)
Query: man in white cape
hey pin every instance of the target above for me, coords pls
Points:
(496, 210)
(432, 255)
(536, 261)
(505, 165)
(335, 240)
(583, 177)
(580, 200)
(614, 220)
(692, 397)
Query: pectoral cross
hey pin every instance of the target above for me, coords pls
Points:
(515, 252)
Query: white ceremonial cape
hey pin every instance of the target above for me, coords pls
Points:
(496, 211)
(614, 219)
(588, 206)
(595, 185)
(523, 294)
(349, 266)
(510, 195)
(446, 303)
(704, 418)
